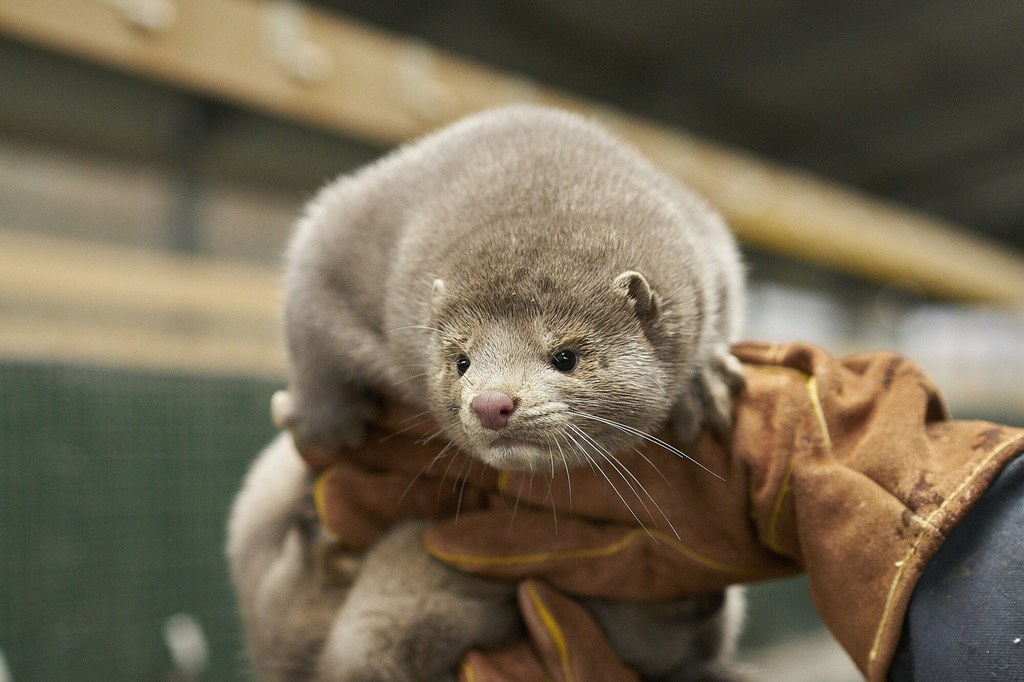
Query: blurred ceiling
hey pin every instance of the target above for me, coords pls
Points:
(919, 101)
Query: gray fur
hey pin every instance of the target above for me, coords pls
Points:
(505, 238)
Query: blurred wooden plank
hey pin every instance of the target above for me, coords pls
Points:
(129, 346)
(802, 216)
(52, 271)
(68, 300)
(370, 84)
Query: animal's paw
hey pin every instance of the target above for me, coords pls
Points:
(323, 427)
(282, 409)
(709, 399)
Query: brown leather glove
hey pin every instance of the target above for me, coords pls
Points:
(849, 469)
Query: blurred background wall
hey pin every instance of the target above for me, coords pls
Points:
(154, 153)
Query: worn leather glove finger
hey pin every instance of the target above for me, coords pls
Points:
(562, 643)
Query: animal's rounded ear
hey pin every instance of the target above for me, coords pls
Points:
(437, 291)
(635, 288)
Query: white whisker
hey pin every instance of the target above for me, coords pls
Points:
(420, 420)
(448, 469)
(551, 483)
(409, 378)
(429, 437)
(415, 416)
(600, 470)
(622, 470)
(568, 477)
(646, 436)
(413, 326)
(424, 470)
(653, 466)
(515, 507)
(569, 440)
(462, 490)
(655, 381)
(565, 463)
(646, 492)
(462, 467)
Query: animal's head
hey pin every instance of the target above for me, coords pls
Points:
(546, 378)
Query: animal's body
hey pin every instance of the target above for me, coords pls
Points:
(546, 295)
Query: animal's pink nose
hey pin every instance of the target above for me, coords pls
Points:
(493, 408)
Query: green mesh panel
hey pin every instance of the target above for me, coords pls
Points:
(114, 492)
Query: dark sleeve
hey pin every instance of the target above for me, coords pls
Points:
(966, 615)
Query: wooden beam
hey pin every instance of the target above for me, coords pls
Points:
(47, 270)
(138, 347)
(316, 67)
(67, 300)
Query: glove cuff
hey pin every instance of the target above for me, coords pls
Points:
(858, 475)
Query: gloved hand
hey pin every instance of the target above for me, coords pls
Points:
(849, 469)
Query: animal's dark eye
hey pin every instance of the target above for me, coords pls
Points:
(564, 361)
(461, 364)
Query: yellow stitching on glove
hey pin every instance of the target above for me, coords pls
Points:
(594, 552)
(319, 500)
(772, 536)
(811, 388)
(553, 629)
(811, 385)
(504, 479)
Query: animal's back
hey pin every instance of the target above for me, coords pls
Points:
(526, 193)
